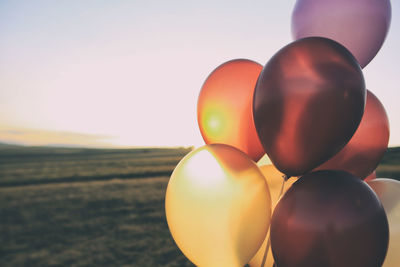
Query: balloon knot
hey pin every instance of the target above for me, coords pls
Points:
(286, 177)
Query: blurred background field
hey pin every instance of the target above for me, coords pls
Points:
(37, 165)
(94, 207)
(81, 207)
(390, 164)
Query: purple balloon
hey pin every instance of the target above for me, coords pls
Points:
(360, 25)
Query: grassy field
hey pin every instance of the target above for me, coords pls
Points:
(42, 165)
(80, 207)
(106, 223)
(88, 207)
(390, 164)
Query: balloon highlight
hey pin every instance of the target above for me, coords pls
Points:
(224, 107)
(308, 102)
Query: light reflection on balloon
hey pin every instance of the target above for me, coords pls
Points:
(224, 108)
(388, 191)
(218, 206)
(308, 102)
(274, 179)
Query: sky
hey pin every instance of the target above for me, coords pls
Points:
(128, 73)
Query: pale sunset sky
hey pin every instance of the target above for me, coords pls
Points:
(128, 73)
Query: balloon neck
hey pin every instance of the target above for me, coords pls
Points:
(286, 177)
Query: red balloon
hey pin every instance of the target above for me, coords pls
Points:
(368, 145)
(308, 102)
(329, 218)
(224, 108)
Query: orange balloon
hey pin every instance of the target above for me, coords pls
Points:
(274, 180)
(371, 177)
(368, 145)
(225, 107)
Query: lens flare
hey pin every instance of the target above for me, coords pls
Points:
(224, 108)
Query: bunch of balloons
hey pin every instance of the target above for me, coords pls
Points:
(308, 109)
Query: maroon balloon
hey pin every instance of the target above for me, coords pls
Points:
(308, 102)
(329, 218)
(368, 145)
(360, 25)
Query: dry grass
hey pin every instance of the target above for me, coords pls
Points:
(24, 166)
(65, 207)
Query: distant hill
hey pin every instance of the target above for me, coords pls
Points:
(392, 156)
(84, 162)
(390, 164)
(6, 145)
(20, 150)
(20, 165)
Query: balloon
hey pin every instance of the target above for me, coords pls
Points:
(368, 145)
(218, 206)
(224, 108)
(360, 25)
(371, 177)
(329, 218)
(264, 161)
(274, 180)
(308, 102)
(388, 191)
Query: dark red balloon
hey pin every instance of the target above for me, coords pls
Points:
(329, 218)
(308, 102)
(368, 145)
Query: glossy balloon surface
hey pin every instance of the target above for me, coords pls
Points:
(329, 218)
(218, 206)
(368, 145)
(360, 25)
(274, 179)
(224, 108)
(308, 102)
(388, 191)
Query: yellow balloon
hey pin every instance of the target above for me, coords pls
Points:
(264, 161)
(218, 206)
(388, 191)
(274, 179)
